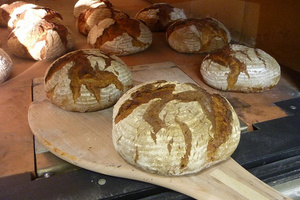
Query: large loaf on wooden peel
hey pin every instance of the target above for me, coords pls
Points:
(240, 68)
(87, 80)
(174, 128)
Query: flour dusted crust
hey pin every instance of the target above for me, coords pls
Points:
(81, 5)
(10, 12)
(240, 68)
(43, 40)
(120, 36)
(195, 35)
(174, 128)
(160, 15)
(34, 15)
(5, 66)
(36, 32)
(87, 80)
(91, 16)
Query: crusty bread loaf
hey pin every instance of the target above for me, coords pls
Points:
(5, 66)
(240, 68)
(81, 5)
(159, 16)
(91, 16)
(35, 14)
(174, 128)
(42, 40)
(196, 35)
(9, 12)
(87, 80)
(120, 36)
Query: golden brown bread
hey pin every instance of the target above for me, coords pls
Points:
(160, 15)
(240, 68)
(87, 80)
(196, 35)
(174, 128)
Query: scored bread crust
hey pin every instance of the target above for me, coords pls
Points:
(120, 36)
(91, 16)
(87, 80)
(159, 16)
(240, 68)
(174, 128)
(195, 35)
(43, 40)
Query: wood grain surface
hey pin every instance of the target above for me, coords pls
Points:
(84, 139)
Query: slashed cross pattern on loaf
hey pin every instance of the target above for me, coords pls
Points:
(226, 58)
(220, 115)
(82, 73)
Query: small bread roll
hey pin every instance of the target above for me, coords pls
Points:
(42, 40)
(87, 80)
(120, 36)
(240, 68)
(5, 66)
(91, 16)
(174, 128)
(34, 15)
(10, 12)
(81, 5)
(197, 35)
(159, 16)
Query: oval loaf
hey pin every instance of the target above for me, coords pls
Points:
(195, 35)
(240, 68)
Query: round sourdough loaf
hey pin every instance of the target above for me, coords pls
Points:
(240, 68)
(120, 36)
(5, 66)
(159, 16)
(196, 35)
(87, 80)
(92, 16)
(174, 128)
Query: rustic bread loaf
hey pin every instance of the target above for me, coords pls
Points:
(196, 35)
(91, 16)
(160, 15)
(9, 12)
(86, 80)
(81, 5)
(240, 68)
(5, 66)
(35, 14)
(174, 128)
(43, 40)
(120, 36)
